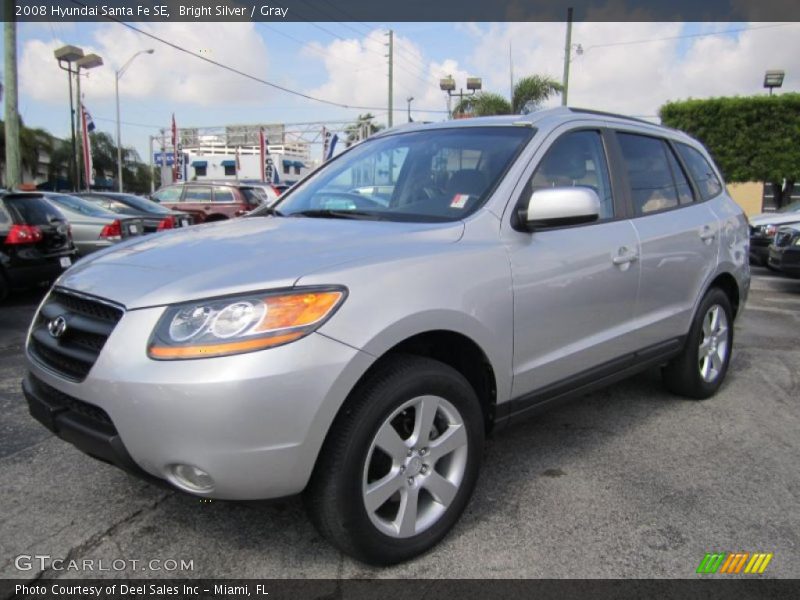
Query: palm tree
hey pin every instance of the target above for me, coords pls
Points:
(529, 93)
(363, 122)
(482, 104)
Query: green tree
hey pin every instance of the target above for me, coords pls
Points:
(754, 138)
(364, 122)
(529, 93)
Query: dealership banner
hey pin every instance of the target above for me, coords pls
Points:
(405, 11)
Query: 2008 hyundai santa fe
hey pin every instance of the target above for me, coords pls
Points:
(420, 290)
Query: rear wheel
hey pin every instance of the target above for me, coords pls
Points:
(400, 462)
(699, 370)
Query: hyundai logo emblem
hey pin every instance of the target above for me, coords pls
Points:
(57, 327)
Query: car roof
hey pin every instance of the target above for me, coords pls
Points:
(543, 119)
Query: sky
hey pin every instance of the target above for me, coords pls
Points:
(629, 68)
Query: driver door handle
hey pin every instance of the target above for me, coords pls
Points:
(625, 256)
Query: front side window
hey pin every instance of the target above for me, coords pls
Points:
(650, 175)
(422, 176)
(702, 172)
(576, 159)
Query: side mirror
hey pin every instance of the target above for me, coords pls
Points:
(559, 207)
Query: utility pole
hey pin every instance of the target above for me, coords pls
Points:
(567, 51)
(510, 75)
(13, 165)
(152, 169)
(391, 60)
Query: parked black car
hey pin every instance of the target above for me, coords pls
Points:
(154, 216)
(784, 253)
(35, 241)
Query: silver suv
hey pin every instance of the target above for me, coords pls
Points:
(423, 289)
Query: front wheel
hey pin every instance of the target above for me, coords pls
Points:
(698, 371)
(400, 462)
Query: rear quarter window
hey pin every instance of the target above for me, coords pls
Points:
(701, 171)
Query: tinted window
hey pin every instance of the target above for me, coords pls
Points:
(200, 171)
(702, 173)
(254, 196)
(428, 175)
(223, 194)
(169, 194)
(647, 161)
(576, 159)
(197, 194)
(114, 206)
(32, 210)
(230, 169)
(78, 205)
(4, 217)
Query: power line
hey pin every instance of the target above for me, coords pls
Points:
(242, 73)
(688, 35)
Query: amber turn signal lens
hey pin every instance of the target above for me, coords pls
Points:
(297, 310)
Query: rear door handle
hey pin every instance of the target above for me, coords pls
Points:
(625, 256)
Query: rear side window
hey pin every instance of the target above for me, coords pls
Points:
(32, 210)
(223, 194)
(656, 180)
(197, 194)
(701, 171)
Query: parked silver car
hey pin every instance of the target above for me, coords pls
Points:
(94, 228)
(359, 351)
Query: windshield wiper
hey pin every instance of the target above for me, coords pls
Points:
(266, 211)
(326, 213)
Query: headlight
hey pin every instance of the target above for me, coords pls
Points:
(237, 324)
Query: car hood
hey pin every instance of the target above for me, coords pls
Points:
(774, 218)
(240, 255)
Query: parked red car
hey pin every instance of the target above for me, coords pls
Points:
(211, 200)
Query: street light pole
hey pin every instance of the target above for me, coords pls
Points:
(117, 76)
(567, 52)
(67, 55)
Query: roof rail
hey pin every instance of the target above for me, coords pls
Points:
(601, 113)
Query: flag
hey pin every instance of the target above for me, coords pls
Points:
(174, 149)
(332, 146)
(262, 152)
(326, 140)
(87, 148)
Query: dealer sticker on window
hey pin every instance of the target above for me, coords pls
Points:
(459, 201)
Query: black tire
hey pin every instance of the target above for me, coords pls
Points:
(682, 375)
(334, 496)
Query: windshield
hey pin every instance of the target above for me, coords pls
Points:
(430, 175)
(78, 205)
(137, 202)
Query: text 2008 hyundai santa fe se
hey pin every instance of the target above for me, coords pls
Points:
(420, 290)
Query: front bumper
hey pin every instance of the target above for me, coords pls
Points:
(785, 259)
(254, 422)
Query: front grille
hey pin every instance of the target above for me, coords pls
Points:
(88, 324)
(783, 238)
(59, 400)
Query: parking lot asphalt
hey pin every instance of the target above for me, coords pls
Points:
(629, 482)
